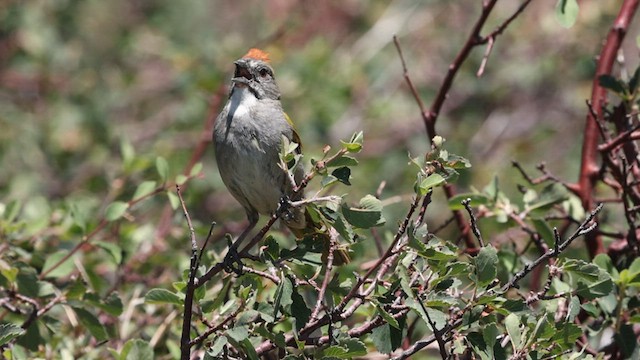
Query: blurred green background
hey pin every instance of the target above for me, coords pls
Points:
(80, 78)
(91, 92)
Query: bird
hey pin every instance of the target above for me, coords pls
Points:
(247, 138)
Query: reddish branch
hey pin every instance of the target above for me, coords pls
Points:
(589, 169)
(430, 116)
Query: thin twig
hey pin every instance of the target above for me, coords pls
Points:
(474, 224)
(185, 347)
(327, 275)
(585, 227)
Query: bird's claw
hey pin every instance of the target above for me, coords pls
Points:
(284, 208)
(232, 261)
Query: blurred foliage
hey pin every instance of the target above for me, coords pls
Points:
(103, 105)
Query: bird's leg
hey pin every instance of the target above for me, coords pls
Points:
(232, 260)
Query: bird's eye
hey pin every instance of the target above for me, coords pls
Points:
(264, 72)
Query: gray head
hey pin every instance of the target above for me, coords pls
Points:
(254, 72)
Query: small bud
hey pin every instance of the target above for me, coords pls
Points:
(438, 141)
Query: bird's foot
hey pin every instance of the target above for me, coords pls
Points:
(232, 261)
(284, 208)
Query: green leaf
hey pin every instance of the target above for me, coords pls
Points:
(163, 168)
(634, 273)
(283, 295)
(595, 289)
(217, 347)
(512, 323)
(549, 196)
(11, 273)
(368, 215)
(10, 211)
(342, 161)
(248, 347)
(566, 333)
(627, 340)
(181, 179)
(78, 215)
(174, 200)
(603, 261)
(544, 230)
(116, 210)
(457, 162)
(238, 333)
(386, 338)
(492, 189)
(299, 310)
(9, 332)
(435, 249)
(135, 349)
(486, 266)
(431, 181)
(490, 334)
(63, 269)
(455, 203)
(112, 249)
(335, 352)
(437, 316)
(345, 349)
(112, 304)
(162, 296)
(343, 227)
(144, 189)
(27, 281)
(271, 249)
(355, 144)
(387, 317)
(476, 340)
(354, 347)
(92, 324)
(567, 12)
(76, 290)
(342, 174)
(127, 151)
(592, 281)
(582, 269)
(328, 180)
(196, 169)
(612, 84)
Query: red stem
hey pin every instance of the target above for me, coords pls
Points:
(589, 169)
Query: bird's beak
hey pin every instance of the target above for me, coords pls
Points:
(242, 74)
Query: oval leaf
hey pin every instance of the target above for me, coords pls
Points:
(162, 296)
(163, 168)
(567, 12)
(116, 210)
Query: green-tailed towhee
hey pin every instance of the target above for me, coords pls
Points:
(248, 137)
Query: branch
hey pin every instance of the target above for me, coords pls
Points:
(474, 222)
(589, 173)
(587, 226)
(185, 346)
(429, 117)
(327, 275)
